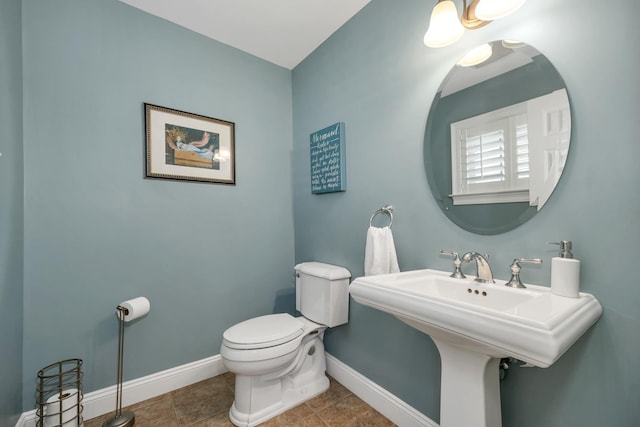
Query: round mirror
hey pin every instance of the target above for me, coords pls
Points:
(497, 137)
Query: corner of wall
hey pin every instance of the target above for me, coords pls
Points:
(11, 212)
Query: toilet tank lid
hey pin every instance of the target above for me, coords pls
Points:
(325, 271)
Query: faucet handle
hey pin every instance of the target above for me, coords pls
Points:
(457, 262)
(528, 260)
(515, 281)
(452, 254)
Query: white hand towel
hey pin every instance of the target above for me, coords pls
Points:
(380, 252)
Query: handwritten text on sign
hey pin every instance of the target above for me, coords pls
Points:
(328, 160)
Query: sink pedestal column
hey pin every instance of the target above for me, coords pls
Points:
(470, 387)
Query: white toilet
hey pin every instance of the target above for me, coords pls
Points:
(278, 359)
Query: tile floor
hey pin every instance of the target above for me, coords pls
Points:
(207, 403)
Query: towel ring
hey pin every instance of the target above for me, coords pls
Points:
(388, 209)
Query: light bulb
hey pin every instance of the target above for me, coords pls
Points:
(476, 56)
(513, 44)
(444, 26)
(490, 10)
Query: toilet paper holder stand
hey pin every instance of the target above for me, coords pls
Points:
(120, 418)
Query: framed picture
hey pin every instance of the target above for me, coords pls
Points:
(188, 147)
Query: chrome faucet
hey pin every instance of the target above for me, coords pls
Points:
(457, 262)
(483, 270)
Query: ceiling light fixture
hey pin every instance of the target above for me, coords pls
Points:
(445, 28)
(489, 10)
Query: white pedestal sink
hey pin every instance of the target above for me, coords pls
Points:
(474, 325)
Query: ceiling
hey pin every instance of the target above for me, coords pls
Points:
(280, 31)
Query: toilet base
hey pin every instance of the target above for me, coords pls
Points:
(262, 397)
(289, 400)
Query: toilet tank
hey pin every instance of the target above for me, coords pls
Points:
(322, 293)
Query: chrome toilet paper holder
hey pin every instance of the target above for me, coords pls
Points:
(126, 418)
(126, 311)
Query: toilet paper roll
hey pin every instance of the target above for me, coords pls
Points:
(67, 403)
(136, 307)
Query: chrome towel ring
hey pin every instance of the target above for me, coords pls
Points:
(388, 209)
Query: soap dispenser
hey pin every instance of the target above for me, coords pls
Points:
(565, 272)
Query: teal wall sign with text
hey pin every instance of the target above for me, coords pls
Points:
(328, 169)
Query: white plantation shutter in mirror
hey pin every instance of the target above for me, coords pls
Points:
(483, 156)
(490, 157)
(522, 151)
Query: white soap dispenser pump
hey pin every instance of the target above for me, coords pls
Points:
(565, 272)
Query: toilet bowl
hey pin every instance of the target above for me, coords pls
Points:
(274, 376)
(279, 360)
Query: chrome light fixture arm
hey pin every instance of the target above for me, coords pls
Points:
(446, 28)
(469, 20)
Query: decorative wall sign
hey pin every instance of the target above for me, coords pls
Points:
(328, 169)
(188, 147)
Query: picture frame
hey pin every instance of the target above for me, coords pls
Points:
(188, 147)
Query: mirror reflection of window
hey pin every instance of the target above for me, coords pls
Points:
(513, 154)
(490, 157)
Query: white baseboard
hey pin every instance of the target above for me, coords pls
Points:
(103, 401)
(377, 397)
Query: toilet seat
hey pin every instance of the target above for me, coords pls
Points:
(263, 332)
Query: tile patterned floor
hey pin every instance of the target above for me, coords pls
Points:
(207, 403)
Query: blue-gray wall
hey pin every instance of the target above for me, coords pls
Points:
(376, 75)
(11, 222)
(97, 233)
(207, 256)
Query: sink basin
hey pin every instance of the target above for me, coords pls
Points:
(529, 324)
(474, 325)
